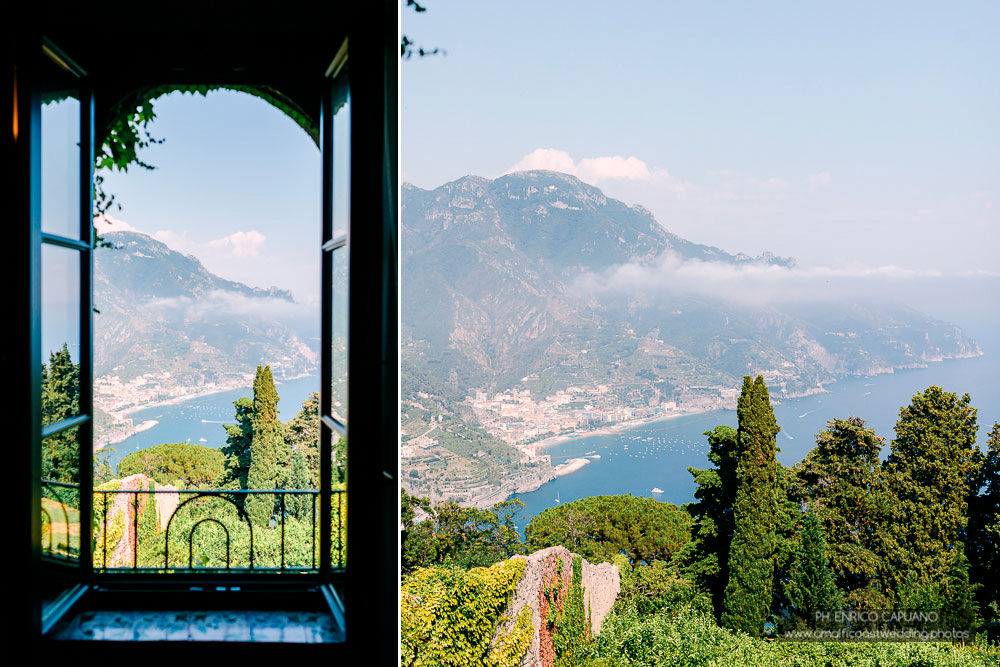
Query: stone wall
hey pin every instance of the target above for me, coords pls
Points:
(601, 584)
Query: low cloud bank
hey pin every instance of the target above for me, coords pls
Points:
(756, 284)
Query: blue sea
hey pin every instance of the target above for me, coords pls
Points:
(199, 420)
(657, 455)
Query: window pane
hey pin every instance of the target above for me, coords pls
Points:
(60, 333)
(61, 164)
(342, 168)
(338, 351)
(61, 495)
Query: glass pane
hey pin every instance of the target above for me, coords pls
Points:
(342, 168)
(61, 495)
(60, 333)
(338, 351)
(61, 163)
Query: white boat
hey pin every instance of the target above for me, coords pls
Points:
(657, 489)
(557, 496)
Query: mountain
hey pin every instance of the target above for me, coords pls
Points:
(492, 300)
(160, 311)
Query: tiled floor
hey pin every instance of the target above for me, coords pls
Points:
(243, 626)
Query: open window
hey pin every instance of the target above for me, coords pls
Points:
(336, 76)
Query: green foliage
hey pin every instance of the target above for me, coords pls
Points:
(299, 505)
(811, 588)
(194, 465)
(456, 535)
(657, 587)
(689, 637)
(930, 473)
(269, 454)
(566, 620)
(706, 557)
(752, 553)
(983, 533)
(450, 617)
(599, 527)
(237, 449)
(841, 481)
(60, 400)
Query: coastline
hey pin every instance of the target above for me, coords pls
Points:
(539, 446)
(133, 429)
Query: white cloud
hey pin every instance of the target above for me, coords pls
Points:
(104, 223)
(220, 303)
(747, 283)
(591, 169)
(820, 179)
(242, 244)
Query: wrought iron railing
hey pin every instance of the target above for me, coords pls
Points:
(156, 530)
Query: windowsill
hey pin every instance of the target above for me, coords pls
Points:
(288, 617)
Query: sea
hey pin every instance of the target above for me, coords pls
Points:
(657, 455)
(200, 420)
(647, 457)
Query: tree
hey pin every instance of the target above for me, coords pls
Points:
(748, 593)
(983, 532)
(302, 435)
(706, 557)
(239, 436)
(599, 527)
(300, 505)
(194, 465)
(60, 400)
(269, 455)
(811, 588)
(931, 472)
(840, 481)
(449, 534)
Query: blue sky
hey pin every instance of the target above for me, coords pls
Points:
(237, 184)
(843, 134)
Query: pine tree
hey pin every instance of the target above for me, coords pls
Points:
(841, 481)
(811, 588)
(60, 400)
(983, 532)
(269, 455)
(749, 591)
(302, 435)
(930, 472)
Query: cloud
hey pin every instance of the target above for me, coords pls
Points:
(219, 303)
(747, 283)
(591, 169)
(820, 179)
(242, 244)
(104, 223)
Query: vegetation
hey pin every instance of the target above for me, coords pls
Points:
(747, 598)
(449, 616)
(191, 465)
(599, 527)
(765, 548)
(60, 401)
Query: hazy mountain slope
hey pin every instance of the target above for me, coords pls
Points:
(162, 311)
(489, 297)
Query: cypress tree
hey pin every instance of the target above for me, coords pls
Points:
(748, 595)
(268, 452)
(706, 557)
(811, 587)
(930, 472)
(300, 505)
(239, 436)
